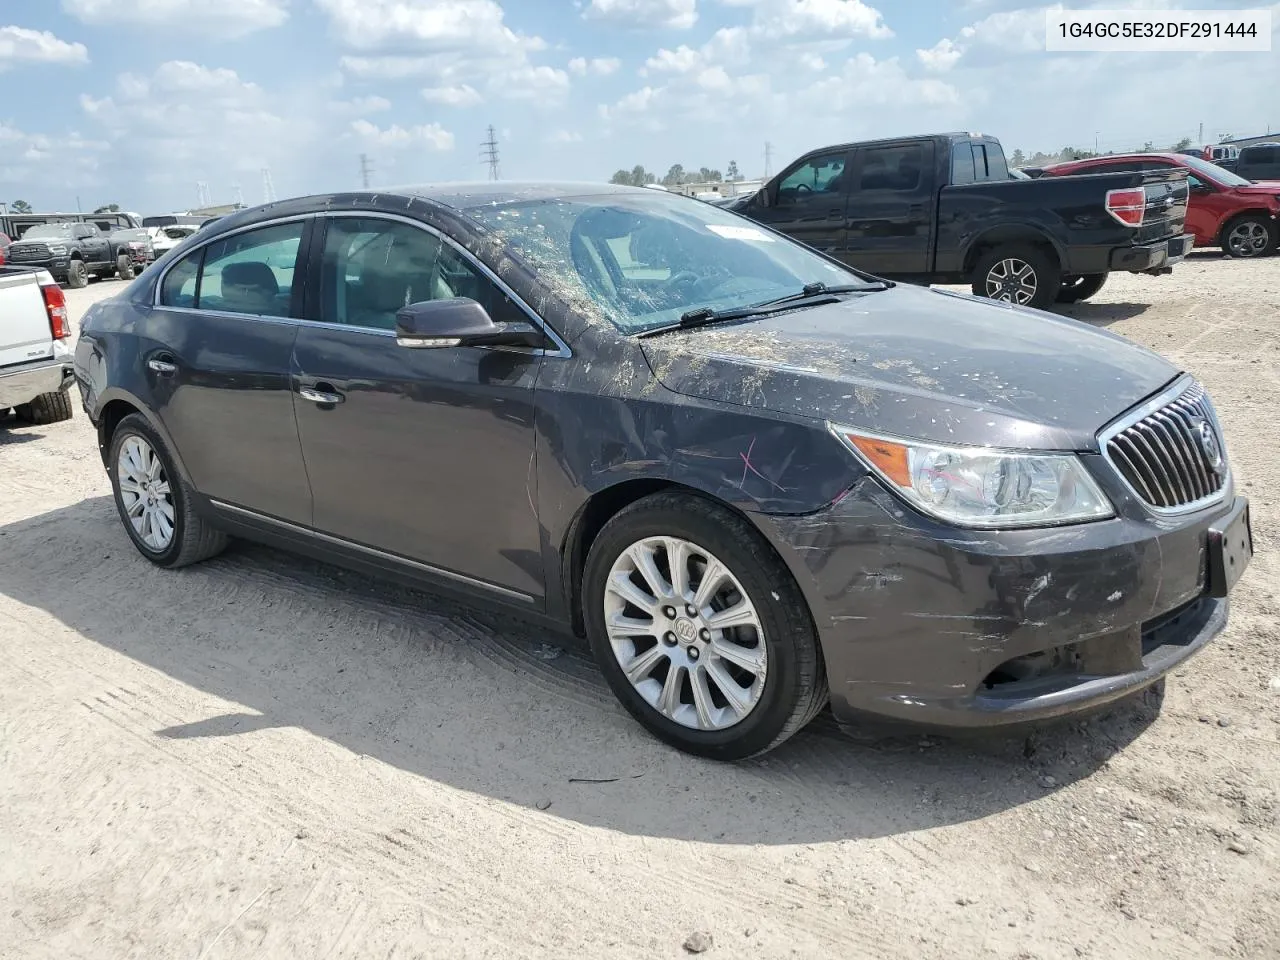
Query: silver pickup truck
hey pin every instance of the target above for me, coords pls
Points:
(36, 371)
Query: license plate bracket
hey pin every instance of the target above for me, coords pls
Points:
(1230, 548)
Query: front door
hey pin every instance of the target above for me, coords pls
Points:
(890, 209)
(426, 454)
(216, 354)
(809, 203)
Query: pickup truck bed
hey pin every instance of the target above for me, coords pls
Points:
(944, 208)
(36, 361)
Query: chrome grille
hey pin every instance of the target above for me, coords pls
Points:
(1173, 457)
(28, 253)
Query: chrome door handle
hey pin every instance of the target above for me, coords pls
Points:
(162, 366)
(319, 396)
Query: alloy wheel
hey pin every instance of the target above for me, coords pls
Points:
(1248, 239)
(145, 493)
(1012, 281)
(685, 633)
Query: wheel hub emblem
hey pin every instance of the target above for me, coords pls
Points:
(1209, 444)
(686, 631)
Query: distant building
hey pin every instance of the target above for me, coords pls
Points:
(1250, 141)
(718, 188)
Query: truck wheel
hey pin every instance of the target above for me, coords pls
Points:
(46, 408)
(124, 267)
(1075, 289)
(77, 275)
(1017, 274)
(1248, 236)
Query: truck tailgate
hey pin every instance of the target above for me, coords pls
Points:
(24, 321)
(1166, 212)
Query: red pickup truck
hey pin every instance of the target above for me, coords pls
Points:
(1223, 210)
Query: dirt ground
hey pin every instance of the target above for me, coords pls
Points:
(264, 756)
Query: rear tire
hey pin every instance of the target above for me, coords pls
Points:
(1075, 289)
(154, 503)
(777, 655)
(77, 275)
(124, 267)
(1249, 236)
(1019, 274)
(46, 408)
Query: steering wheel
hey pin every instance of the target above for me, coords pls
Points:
(805, 187)
(680, 279)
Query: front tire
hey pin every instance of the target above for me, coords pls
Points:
(1020, 274)
(46, 408)
(77, 275)
(153, 501)
(124, 267)
(1248, 236)
(1075, 289)
(724, 662)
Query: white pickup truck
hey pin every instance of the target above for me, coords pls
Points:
(36, 359)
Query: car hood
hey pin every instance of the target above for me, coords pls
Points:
(923, 364)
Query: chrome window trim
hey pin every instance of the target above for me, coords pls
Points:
(561, 351)
(1180, 386)
(164, 274)
(373, 551)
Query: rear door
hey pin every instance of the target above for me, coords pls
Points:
(890, 211)
(809, 201)
(216, 353)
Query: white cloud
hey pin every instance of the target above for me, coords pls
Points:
(541, 84)
(360, 105)
(217, 18)
(564, 136)
(727, 47)
(941, 57)
(462, 95)
(29, 155)
(775, 20)
(600, 66)
(673, 14)
(19, 45)
(431, 135)
(425, 25)
(865, 81)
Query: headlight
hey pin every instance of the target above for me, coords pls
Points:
(57, 249)
(980, 486)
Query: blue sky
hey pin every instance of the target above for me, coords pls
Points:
(135, 102)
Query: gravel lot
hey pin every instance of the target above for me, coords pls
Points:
(264, 756)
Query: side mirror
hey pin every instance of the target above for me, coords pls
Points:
(761, 199)
(460, 322)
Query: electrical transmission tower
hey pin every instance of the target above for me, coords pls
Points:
(203, 198)
(366, 168)
(268, 188)
(768, 159)
(490, 154)
(239, 194)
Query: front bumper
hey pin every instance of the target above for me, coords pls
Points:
(23, 384)
(928, 623)
(57, 266)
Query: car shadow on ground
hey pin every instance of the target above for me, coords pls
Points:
(1102, 314)
(15, 431)
(499, 708)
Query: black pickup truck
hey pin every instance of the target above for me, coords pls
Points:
(944, 208)
(72, 252)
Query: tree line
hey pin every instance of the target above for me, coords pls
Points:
(638, 176)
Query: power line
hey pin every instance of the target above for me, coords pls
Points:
(366, 168)
(489, 154)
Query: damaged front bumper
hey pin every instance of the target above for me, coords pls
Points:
(962, 628)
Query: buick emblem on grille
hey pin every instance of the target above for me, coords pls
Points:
(1208, 443)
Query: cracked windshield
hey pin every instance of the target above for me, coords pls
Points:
(645, 261)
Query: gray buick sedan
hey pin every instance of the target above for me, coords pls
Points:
(755, 480)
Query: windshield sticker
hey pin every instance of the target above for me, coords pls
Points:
(739, 233)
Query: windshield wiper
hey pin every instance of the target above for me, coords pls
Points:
(819, 288)
(813, 295)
